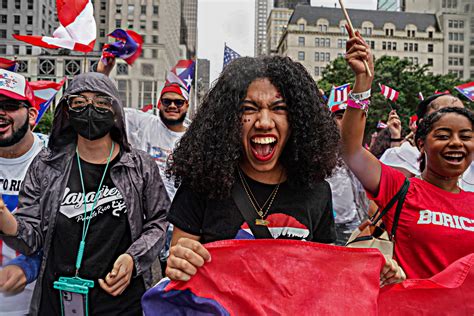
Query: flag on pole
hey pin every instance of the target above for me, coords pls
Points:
(45, 92)
(467, 90)
(341, 93)
(182, 73)
(229, 55)
(420, 96)
(389, 93)
(442, 92)
(7, 64)
(76, 31)
(128, 46)
(381, 125)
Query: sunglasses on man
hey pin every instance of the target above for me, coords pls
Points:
(12, 106)
(177, 102)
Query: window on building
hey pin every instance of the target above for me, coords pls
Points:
(154, 53)
(300, 55)
(371, 44)
(16, 19)
(47, 67)
(316, 71)
(72, 67)
(17, 4)
(143, 9)
(430, 48)
(301, 27)
(102, 19)
(4, 4)
(118, 24)
(23, 64)
(3, 33)
(367, 30)
(3, 49)
(301, 41)
(101, 32)
(328, 57)
(415, 60)
(131, 9)
(323, 28)
(118, 8)
(322, 57)
(155, 9)
(122, 69)
(328, 42)
(29, 20)
(130, 24)
(154, 39)
(316, 56)
(415, 47)
(145, 94)
(384, 45)
(103, 5)
(430, 34)
(30, 4)
(155, 25)
(316, 42)
(124, 91)
(343, 29)
(3, 19)
(28, 50)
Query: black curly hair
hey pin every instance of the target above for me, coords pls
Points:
(426, 126)
(381, 144)
(207, 156)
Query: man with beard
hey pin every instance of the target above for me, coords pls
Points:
(18, 146)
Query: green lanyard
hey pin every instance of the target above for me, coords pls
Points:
(85, 226)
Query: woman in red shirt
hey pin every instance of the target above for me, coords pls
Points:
(436, 225)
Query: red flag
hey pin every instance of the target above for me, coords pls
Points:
(45, 92)
(7, 64)
(76, 31)
(148, 107)
(389, 93)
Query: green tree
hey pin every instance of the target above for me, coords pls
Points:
(400, 74)
(45, 124)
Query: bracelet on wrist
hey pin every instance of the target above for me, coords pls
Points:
(396, 139)
(360, 95)
(359, 104)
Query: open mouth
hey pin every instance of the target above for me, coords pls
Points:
(263, 147)
(4, 125)
(454, 157)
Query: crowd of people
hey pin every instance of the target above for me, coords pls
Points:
(111, 192)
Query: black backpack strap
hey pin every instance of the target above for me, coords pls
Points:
(398, 198)
(247, 211)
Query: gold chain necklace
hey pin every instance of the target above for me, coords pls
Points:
(259, 209)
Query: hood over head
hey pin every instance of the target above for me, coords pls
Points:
(62, 132)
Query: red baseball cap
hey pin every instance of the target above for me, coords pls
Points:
(15, 86)
(175, 88)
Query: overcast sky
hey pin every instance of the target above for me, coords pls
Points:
(233, 21)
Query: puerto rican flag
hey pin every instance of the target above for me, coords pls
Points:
(128, 46)
(341, 93)
(76, 31)
(182, 73)
(45, 92)
(467, 90)
(389, 93)
(280, 226)
(7, 64)
(381, 125)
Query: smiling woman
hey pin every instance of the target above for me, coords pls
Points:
(264, 134)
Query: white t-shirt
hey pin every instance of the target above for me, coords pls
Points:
(147, 132)
(406, 156)
(12, 172)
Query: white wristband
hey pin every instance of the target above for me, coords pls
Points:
(361, 95)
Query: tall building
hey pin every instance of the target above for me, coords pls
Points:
(262, 9)
(290, 4)
(277, 23)
(457, 24)
(189, 10)
(158, 21)
(391, 5)
(316, 35)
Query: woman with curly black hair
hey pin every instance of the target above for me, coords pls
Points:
(264, 129)
(436, 221)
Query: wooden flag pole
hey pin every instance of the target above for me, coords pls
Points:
(348, 19)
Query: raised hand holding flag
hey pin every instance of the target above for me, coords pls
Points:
(76, 31)
(128, 46)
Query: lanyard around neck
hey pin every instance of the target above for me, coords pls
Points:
(87, 221)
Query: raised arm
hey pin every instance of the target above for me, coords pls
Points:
(362, 163)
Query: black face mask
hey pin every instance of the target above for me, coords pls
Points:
(91, 123)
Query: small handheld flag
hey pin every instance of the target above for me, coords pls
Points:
(76, 31)
(341, 93)
(128, 46)
(467, 90)
(420, 96)
(7, 64)
(413, 120)
(45, 92)
(389, 93)
(381, 125)
(229, 55)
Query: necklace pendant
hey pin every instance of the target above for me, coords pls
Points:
(260, 213)
(261, 222)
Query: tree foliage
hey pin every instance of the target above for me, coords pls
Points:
(400, 74)
(45, 124)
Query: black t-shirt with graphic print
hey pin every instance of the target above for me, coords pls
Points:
(301, 214)
(108, 237)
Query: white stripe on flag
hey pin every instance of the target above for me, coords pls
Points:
(392, 94)
(45, 94)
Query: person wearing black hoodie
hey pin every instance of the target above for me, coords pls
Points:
(95, 206)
